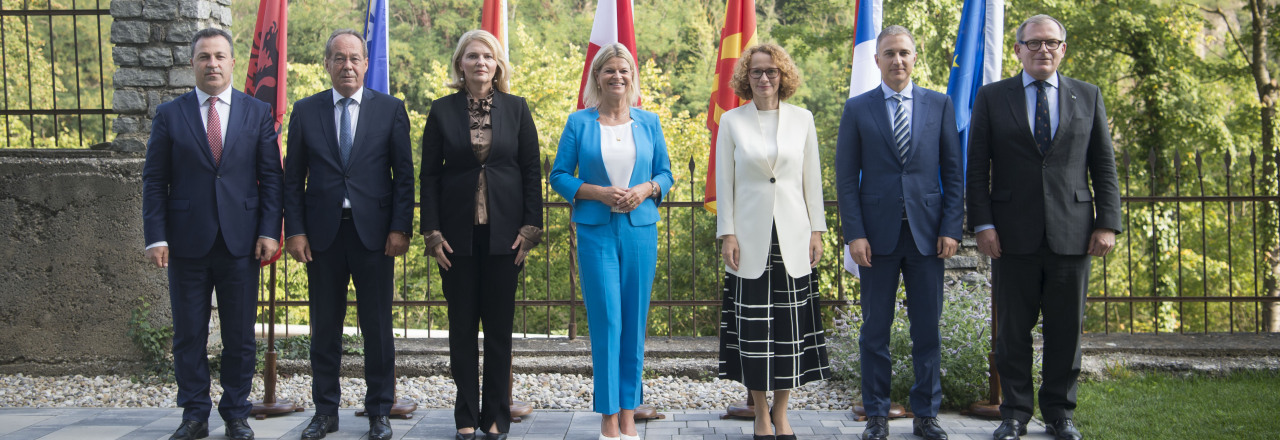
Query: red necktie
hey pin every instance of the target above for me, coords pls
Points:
(214, 130)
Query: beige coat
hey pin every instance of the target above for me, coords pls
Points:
(751, 196)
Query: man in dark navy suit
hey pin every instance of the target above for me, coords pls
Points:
(900, 177)
(348, 213)
(211, 208)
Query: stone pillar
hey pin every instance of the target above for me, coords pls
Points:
(152, 53)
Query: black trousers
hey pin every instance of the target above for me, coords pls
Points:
(329, 272)
(481, 288)
(1027, 287)
(191, 287)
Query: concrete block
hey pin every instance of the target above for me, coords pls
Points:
(129, 145)
(124, 124)
(156, 57)
(182, 55)
(130, 32)
(126, 8)
(128, 101)
(124, 56)
(181, 77)
(160, 10)
(182, 31)
(135, 77)
(197, 10)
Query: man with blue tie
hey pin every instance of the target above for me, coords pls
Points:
(900, 181)
(211, 201)
(1043, 198)
(348, 213)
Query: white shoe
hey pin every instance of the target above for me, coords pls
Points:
(603, 437)
(630, 437)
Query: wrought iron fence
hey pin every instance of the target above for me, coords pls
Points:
(1187, 262)
(56, 74)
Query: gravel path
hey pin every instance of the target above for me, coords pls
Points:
(543, 391)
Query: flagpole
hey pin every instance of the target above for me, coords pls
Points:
(269, 406)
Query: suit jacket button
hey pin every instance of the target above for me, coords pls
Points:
(772, 180)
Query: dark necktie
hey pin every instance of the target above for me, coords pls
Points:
(1044, 131)
(901, 128)
(344, 131)
(214, 131)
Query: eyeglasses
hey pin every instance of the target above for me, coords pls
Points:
(771, 73)
(341, 61)
(1035, 44)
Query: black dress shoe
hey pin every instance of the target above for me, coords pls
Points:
(928, 428)
(467, 436)
(238, 429)
(1063, 429)
(877, 428)
(191, 430)
(379, 428)
(1010, 429)
(320, 426)
(492, 436)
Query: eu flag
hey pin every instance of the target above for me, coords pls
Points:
(977, 59)
(375, 35)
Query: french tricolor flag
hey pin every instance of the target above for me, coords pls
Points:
(866, 75)
(613, 24)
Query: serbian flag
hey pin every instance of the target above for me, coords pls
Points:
(977, 59)
(494, 20)
(738, 33)
(375, 36)
(613, 24)
(267, 72)
(866, 26)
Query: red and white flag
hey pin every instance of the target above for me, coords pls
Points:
(267, 67)
(614, 24)
(494, 20)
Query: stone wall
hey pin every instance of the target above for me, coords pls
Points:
(71, 262)
(152, 53)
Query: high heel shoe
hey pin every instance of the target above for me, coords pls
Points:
(630, 437)
(603, 437)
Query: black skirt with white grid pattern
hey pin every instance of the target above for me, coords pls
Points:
(771, 333)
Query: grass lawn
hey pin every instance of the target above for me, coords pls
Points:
(1177, 406)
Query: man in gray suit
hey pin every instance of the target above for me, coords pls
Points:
(1036, 141)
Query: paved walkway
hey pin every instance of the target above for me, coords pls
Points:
(149, 424)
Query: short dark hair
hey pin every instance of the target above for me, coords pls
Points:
(891, 31)
(210, 33)
(328, 45)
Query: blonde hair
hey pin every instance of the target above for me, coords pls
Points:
(591, 93)
(788, 74)
(501, 78)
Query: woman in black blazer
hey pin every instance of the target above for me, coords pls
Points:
(481, 213)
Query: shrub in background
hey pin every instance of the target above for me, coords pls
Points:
(966, 340)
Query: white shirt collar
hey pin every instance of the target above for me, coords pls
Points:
(1027, 79)
(906, 91)
(357, 96)
(225, 96)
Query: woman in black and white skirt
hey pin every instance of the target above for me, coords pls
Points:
(769, 214)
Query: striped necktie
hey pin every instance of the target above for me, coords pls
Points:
(901, 128)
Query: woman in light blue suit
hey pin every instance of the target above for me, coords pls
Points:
(612, 167)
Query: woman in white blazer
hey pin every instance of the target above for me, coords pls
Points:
(769, 214)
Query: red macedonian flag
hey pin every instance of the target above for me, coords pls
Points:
(738, 33)
(493, 18)
(267, 69)
(613, 24)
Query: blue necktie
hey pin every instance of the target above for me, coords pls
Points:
(1043, 132)
(344, 131)
(901, 128)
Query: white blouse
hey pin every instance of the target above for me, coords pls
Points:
(769, 128)
(618, 149)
